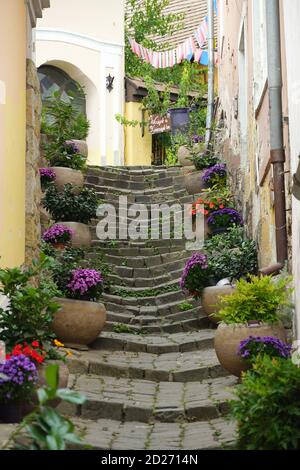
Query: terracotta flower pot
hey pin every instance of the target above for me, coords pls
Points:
(81, 234)
(210, 300)
(193, 182)
(63, 373)
(228, 338)
(65, 176)
(62, 383)
(78, 322)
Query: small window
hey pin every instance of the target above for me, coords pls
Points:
(54, 79)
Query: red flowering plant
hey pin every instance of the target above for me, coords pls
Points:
(34, 351)
(39, 353)
(211, 201)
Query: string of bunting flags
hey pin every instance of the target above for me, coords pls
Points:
(185, 51)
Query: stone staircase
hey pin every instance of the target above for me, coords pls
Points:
(152, 379)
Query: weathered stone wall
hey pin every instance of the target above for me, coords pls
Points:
(33, 187)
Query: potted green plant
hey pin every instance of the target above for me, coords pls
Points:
(73, 211)
(266, 406)
(252, 310)
(62, 124)
(81, 317)
(230, 256)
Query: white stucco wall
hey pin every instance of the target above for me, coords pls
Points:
(292, 38)
(85, 38)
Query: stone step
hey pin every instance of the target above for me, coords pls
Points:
(134, 185)
(144, 282)
(167, 326)
(142, 261)
(164, 309)
(146, 401)
(118, 244)
(191, 366)
(158, 318)
(108, 434)
(156, 344)
(159, 299)
(119, 190)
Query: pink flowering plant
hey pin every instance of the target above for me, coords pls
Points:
(58, 233)
(47, 176)
(85, 284)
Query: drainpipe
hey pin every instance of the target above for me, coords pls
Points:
(210, 98)
(276, 130)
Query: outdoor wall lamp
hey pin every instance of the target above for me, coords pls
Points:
(110, 83)
(296, 183)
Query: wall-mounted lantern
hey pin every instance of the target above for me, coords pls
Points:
(110, 83)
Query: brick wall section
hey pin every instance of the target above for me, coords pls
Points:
(33, 187)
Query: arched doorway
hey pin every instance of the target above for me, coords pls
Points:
(54, 79)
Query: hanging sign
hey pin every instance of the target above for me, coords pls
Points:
(159, 124)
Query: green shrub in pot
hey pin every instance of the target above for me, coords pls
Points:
(267, 406)
(252, 310)
(257, 300)
(231, 255)
(61, 123)
(66, 206)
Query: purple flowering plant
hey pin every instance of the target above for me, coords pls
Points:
(58, 233)
(195, 275)
(196, 139)
(254, 346)
(215, 175)
(85, 284)
(47, 176)
(224, 218)
(18, 376)
(71, 147)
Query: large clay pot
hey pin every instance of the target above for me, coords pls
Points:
(78, 322)
(210, 300)
(228, 338)
(184, 156)
(81, 234)
(65, 176)
(193, 182)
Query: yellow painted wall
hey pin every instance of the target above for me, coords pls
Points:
(12, 131)
(138, 149)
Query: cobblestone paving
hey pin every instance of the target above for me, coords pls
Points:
(158, 383)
